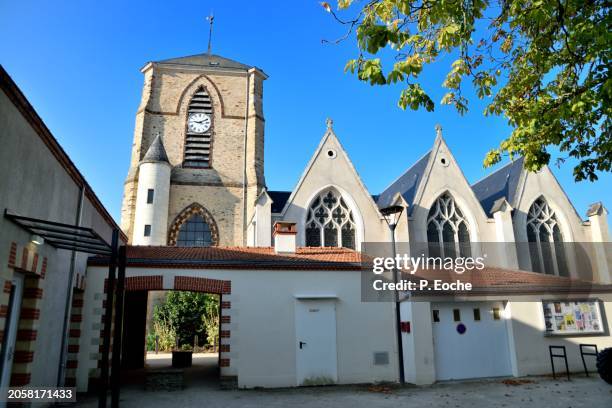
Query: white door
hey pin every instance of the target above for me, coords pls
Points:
(315, 338)
(11, 331)
(470, 340)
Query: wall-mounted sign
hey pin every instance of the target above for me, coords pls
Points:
(461, 329)
(575, 317)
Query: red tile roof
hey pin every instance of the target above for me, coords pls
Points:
(494, 280)
(490, 280)
(239, 258)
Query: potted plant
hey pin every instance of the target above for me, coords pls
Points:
(181, 358)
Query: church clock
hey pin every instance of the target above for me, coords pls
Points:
(198, 122)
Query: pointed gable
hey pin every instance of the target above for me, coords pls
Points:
(329, 165)
(501, 183)
(330, 171)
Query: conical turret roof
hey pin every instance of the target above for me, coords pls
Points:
(156, 152)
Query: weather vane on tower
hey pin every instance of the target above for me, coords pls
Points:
(211, 19)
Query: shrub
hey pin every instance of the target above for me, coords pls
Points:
(187, 313)
(167, 336)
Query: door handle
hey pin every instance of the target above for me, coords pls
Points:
(302, 343)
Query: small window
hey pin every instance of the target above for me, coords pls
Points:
(150, 193)
(476, 314)
(496, 313)
(436, 316)
(147, 231)
(456, 315)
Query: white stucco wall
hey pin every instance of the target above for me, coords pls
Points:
(531, 345)
(334, 170)
(155, 176)
(36, 184)
(544, 184)
(419, 367)
(443, 175)
(263, 341)
(527, 340)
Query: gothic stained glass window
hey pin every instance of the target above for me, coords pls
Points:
(313, 235)
(447, 229)
(330, 222)
(545, 240)
(194, 232)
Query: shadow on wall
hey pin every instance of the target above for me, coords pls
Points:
(223, 202)
(532, 343)
(480, 347)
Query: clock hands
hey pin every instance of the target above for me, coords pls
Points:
(194, 118)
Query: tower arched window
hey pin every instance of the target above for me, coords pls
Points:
(195, 232)
(193, 227)
(545, 240)
(447, 229)
(198, 136)
(330, 222)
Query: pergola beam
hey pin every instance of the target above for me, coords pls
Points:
(83, 239)
(62, 236)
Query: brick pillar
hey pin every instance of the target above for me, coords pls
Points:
(74, 336)
(27, 331)
(4, 300)
(6, 290)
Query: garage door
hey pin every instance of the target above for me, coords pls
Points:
(470, 340)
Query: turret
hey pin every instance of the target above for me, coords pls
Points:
(152, 197)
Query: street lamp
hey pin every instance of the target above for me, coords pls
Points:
(37, 239)
(392, 216)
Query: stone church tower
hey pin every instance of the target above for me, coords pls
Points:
(198, 154)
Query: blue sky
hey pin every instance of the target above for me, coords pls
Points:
(78, 63)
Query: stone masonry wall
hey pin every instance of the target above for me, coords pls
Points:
(166, 95)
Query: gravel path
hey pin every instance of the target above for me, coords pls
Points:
(536, 392)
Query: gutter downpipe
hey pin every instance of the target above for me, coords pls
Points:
(244, 172)
(63, 351)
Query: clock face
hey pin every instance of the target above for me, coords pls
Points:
(198, 122)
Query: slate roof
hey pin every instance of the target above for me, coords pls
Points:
(279, 199)
(156, 152)
(502, 183)
(406, 184)
(207, 60)
(308, 258)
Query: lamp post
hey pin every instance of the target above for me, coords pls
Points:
(392, 216)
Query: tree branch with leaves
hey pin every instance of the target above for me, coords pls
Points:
(542, 64)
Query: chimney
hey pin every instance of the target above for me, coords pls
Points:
(284, 237)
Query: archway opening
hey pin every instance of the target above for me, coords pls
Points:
(171, 339)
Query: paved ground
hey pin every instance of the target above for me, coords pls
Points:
(536, 392)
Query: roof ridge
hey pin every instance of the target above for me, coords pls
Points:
(206, 57)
